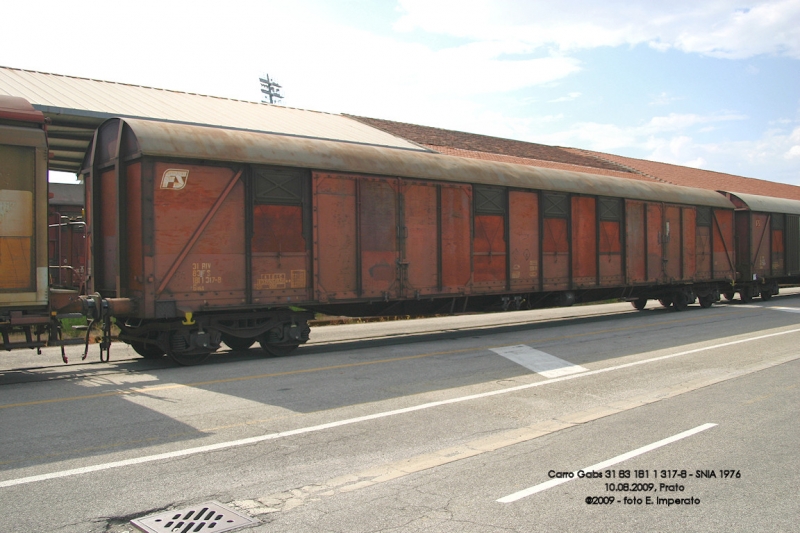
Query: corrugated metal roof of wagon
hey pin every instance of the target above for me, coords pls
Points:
(197, 142)
(767, 204)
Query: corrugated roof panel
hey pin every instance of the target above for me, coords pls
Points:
(768, 204)
(163, 139)
(696, 177)
(52, 93)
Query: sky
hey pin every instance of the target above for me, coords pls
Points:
(711, 84)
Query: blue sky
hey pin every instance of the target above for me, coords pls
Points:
(711, 84)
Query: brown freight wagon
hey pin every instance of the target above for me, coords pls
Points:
(767, 244)
(23, 222)
(202, 235)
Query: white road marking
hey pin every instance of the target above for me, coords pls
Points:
(542, 363)
(785, 309)
(375, 416)
(605, 464)
(773, 307)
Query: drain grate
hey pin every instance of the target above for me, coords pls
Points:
(208, 517)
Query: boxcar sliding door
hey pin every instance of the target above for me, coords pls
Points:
(555, 241)
(523, 216)
(280, 241)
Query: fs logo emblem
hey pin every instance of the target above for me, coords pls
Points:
(174, 179)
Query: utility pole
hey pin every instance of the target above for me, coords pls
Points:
(271, 90)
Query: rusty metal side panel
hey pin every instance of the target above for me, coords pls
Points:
(335, 244)
(106, 235)
(17, 181)
(655, 245)
(280, 258)
(743, 241)
(420, 255)
(778, 262)
(759, 244)
(489, 253)
(212, 273)
(635, 240)
(671, 237)
(723, 266)
(610, 254)
(17, 172)
(584, 242)
(523, 217)
(456, 238)
(703, 252)
(689, 246)
(555, 254)
(133, 228)
(378, 227)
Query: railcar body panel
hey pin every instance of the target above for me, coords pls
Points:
(636, 242)
(524, 240)
(767, 238)
(192, 235)
(23, 206)
(421, 248)
(688, 245)
(584, 242)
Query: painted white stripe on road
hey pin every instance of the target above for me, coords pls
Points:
(542, 363)
(785, 309)
(773, 307)
(605, 464)
(311, 429)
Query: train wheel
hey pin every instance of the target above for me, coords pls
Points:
(148, 351)
(729, 295)
(745, 295)
(278, 350)
(706, 301)
(237, 344)
(766, 294)
(189, 359)
(665, 302)
(639, 303)
(680, 301)
(181, 352)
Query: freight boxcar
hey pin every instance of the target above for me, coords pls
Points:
(23, 221)
(767, 244)
(201, 235)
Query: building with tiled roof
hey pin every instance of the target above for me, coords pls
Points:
(695, 177)
(435, 138)
(511, 151)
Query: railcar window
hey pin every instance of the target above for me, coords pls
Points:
(777, 221)
(279, 185)
(556, 205)
(489, 200)
(610, 209)
(703, 217)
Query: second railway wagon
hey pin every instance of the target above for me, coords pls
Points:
(767, 244)
(200, 235)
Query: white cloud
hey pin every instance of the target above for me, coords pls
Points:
(714, 28)
(664, 99)
(568, 98)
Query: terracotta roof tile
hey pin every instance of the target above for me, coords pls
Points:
(510, 151)
(695, 177)
(429, 136)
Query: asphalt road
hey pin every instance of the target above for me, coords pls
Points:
(444, 425)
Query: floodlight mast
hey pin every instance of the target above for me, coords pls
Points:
(270, 89)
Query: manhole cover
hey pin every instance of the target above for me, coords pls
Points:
(211, 517)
